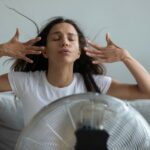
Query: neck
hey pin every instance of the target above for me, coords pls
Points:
(60, 76)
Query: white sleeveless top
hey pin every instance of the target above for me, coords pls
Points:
(35, 91)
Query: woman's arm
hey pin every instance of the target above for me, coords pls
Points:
(15, 48)
(1, 50)
(141, 90)
(4, 83)
(112, 53)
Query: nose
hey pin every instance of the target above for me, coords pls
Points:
(65, 42)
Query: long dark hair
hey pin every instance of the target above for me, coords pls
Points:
(83, 65)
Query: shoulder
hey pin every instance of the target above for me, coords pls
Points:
(24, 82)
(103, 82)
(26, 74)
(78, 76)
(97, 78)
(22, 78)
(102, 78)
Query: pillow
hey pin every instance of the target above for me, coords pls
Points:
(11, 120)
(143, 107)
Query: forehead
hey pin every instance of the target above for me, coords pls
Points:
(63, 28)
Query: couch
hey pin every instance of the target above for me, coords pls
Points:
(11, 118)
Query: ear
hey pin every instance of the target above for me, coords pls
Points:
(45, 53)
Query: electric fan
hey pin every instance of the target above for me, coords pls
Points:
(89, 121)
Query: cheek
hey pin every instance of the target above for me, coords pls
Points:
(78, 49)
(77, 52)
(51, 47)
(76, 46)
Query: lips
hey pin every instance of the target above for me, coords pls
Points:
(64, 50)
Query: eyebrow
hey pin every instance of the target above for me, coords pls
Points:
(58, 32)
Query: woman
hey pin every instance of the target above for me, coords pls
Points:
(65, 66)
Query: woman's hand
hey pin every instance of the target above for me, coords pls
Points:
(15, 48)
(110, 53)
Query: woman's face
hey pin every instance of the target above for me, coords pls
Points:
(63, 44)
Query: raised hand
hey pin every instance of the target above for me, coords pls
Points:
(110, 53)
(15, 48)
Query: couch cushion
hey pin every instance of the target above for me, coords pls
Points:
(143, 107)
(11, 120)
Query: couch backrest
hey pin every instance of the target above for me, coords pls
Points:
(11, 120)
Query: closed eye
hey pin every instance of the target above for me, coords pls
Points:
(55, 37)
(72, 37)
(58, 36)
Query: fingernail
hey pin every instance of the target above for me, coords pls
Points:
(108, 34)
(42, 47)
(88, 40)
(85, 48)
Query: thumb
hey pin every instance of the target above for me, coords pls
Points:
(109, 41)
(16, 36)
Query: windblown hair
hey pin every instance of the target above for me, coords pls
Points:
(83, 65)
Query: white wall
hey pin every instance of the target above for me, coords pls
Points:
(127, 21)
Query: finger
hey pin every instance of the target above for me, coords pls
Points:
(96, 52)
(33, 52)
(27, 59)
(90, 49)
(108, 40)
(33, 41)
(94, 55)
(99, 61)
(105, 60)
(35, 48)
(94, 45)
(104, 52)
(103, 55)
